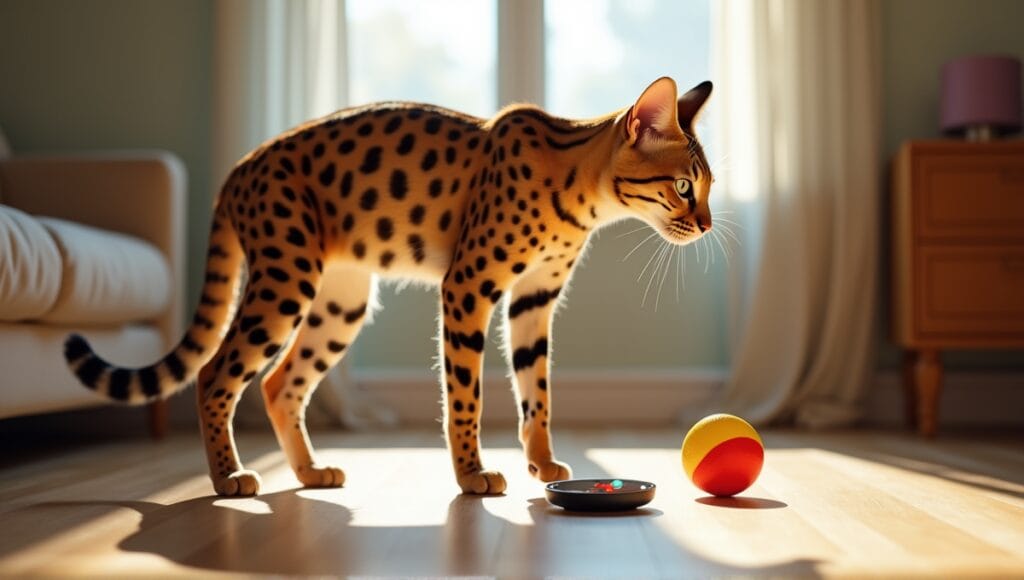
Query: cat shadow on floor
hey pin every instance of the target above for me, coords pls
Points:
(300, 532)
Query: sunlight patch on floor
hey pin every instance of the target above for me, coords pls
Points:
(250, 505)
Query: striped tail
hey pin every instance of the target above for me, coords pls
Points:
(174, 371)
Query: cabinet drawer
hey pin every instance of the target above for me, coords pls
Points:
(970, 292)
(969, 196)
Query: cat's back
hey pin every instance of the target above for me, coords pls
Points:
(388, 180)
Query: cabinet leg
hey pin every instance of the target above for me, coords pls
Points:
(927, 385)
(910, 388)
(158, 419)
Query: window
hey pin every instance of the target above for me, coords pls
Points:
(602, 53)
(442, 51)
(599, 56)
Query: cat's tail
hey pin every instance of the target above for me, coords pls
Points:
(175, 370)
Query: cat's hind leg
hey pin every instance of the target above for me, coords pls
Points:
(329, 329)
(528, 319)
(271, 308)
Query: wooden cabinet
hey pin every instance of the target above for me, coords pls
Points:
(958, 258)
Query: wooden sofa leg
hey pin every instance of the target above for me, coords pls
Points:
(158, 420)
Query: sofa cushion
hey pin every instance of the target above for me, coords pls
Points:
(107, 277)
(30, 267)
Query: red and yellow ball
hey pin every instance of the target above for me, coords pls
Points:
(722, 455)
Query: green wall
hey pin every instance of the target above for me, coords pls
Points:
(601, 324)
(918, 37)
(110, 74)
(103, 74)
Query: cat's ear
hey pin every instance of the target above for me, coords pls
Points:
(691, 104)
(654, 113)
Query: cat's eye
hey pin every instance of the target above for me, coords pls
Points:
(683, 186)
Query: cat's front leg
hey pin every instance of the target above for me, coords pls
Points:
(466, 312)
(530, 308)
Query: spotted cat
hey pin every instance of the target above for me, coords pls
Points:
(487, 208)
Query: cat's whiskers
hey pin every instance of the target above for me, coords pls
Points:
(631, 232)
(654, 273)
(676, 258)
(726, 230)
(654, 254)
(664, 275)
(716, 237)
(637, 247)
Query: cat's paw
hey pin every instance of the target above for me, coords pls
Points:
(316, 476)
(550, 470)
(484, 482)
(242, 483)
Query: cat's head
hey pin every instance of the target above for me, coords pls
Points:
(659, 172)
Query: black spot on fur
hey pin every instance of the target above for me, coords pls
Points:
(371, 162)
(392, 125)
(399, 185)
(406, 144)
(295, 237)
(525, 357)
(463, 374)
(417, 245)
(429, 160)
(368, 200)
(436, 187)
(432, 125)
(385, 228)
(150, 381)
(258, 336)
(327, 175)
(474, 342)
(278, 274)
(248, 322)
(346, 184)
(281, 210)
(416, 214)
(120, 380)
(175, 367)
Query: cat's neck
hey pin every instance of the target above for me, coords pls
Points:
(584, 171)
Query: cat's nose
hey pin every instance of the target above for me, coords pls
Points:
(703, 223)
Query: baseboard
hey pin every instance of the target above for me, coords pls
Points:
(646, 398)
(580, 398)
(968, 399)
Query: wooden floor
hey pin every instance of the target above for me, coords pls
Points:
(851, 504)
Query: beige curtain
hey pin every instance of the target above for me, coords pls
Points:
(279, 63)
(797, 113)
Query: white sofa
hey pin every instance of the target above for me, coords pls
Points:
(91, 244)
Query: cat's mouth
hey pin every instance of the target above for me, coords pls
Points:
(680, 232)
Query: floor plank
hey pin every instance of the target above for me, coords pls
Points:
(833, 505)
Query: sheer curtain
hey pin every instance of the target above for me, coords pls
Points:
(797, 112)
(279, 63)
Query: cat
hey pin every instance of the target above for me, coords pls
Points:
(486, 208)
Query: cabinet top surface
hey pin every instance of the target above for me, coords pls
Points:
(1015, 145)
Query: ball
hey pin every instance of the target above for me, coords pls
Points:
(722, 455)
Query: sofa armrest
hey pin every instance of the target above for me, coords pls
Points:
(139, 193)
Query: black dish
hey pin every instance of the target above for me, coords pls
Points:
(598, 495)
